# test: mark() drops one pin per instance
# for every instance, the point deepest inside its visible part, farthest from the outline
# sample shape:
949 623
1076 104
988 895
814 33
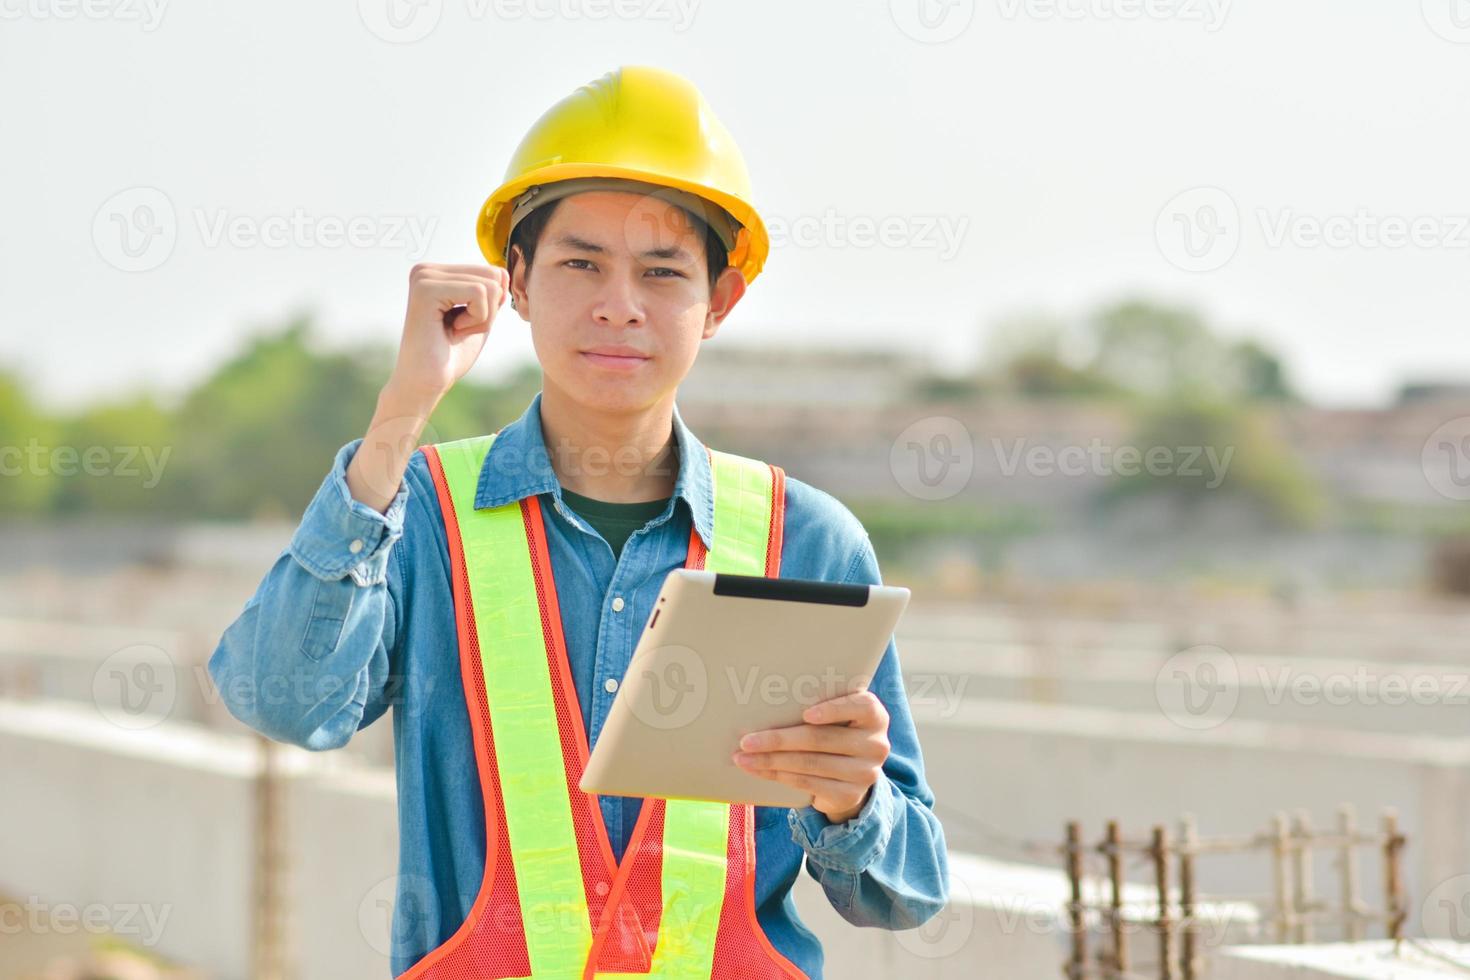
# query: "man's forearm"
376 471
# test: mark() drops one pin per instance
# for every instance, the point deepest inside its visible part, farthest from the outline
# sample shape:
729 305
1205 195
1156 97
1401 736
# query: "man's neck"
621 458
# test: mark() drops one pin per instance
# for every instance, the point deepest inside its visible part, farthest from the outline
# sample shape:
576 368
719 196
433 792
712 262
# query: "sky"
178 177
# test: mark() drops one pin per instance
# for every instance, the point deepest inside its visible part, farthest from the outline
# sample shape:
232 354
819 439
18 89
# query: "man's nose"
619 303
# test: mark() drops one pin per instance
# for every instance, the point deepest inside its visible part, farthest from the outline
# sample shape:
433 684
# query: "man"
624 236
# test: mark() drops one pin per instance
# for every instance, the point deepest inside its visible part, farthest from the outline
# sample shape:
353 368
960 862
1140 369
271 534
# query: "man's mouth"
617 358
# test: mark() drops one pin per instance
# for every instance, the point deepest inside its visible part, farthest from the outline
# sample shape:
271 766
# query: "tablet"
723 655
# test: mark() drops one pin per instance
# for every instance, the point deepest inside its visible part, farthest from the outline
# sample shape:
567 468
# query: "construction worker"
491 590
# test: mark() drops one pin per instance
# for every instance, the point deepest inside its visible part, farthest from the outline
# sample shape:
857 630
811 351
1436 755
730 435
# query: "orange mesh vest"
553 904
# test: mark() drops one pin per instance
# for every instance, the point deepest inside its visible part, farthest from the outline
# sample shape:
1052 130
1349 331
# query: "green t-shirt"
615 522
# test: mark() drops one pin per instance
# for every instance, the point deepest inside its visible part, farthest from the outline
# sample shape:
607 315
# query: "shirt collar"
518 465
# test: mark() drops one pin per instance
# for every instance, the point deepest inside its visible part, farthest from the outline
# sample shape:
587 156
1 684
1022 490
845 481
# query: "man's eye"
587 264
664 268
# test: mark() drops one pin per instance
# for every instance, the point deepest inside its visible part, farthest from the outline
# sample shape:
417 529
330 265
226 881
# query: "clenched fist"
450 310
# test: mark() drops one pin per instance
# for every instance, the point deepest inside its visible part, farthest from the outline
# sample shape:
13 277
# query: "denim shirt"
358 612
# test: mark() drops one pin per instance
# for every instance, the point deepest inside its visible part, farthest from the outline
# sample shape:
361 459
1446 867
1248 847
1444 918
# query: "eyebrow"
582 245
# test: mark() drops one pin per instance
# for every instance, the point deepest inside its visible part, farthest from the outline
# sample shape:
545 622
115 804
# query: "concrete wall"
1007 775
154 827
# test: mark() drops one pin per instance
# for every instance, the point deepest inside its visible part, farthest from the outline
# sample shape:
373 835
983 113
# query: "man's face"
620 272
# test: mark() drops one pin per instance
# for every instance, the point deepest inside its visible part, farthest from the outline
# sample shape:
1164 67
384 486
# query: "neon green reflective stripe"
538 816
742 514
696 831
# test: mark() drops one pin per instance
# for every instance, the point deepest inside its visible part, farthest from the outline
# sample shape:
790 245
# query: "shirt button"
610 685
617 604
355 546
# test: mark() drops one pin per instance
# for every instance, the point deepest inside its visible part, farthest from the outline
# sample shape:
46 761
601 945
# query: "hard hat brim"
752 243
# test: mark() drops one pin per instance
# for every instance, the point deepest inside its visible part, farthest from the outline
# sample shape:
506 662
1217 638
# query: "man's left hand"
837 756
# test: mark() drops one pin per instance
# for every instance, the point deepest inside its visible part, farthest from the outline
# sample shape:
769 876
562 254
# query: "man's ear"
729 287
515 264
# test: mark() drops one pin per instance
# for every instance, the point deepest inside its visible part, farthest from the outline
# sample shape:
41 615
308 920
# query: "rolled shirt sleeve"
887 866
340 535
308 660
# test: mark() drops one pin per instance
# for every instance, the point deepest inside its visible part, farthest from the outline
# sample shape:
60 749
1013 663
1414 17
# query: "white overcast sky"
1050 141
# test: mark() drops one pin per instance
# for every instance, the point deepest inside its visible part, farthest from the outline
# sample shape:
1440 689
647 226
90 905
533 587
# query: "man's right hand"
431 355
440 343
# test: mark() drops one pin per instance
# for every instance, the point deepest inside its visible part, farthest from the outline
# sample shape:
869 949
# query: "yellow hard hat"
639 124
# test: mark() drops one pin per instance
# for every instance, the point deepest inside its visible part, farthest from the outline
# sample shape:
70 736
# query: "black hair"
528 233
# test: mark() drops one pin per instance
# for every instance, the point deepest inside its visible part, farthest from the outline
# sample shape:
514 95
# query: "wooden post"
1119 960
1077 967
268 956
1189 954
1160 853
1281 848
1305 891
1393 845
1352 905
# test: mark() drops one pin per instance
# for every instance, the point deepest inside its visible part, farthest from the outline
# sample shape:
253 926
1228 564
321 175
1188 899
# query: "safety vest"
553 904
